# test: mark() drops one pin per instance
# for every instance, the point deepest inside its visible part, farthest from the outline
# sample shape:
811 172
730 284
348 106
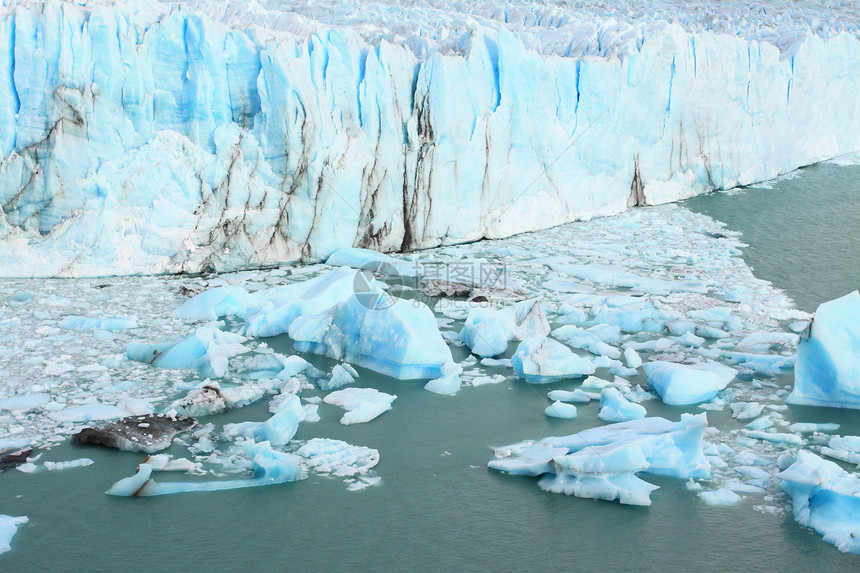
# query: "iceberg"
206 350
559 409
602 463
827 371
269 467
488 331
8 528
361 404
338 458
826 498
278 429
152 137
401 340
616 408
682 384
214 304
544 361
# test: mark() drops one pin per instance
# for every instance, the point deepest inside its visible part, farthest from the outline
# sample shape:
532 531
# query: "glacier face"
141 137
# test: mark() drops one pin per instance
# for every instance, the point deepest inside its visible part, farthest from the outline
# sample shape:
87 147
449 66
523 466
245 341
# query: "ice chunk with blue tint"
207 350
341 375
8 527
826 498
488 331
827 372
108 323
449 383
24 402
682 384
569 395
361 404
544 360
214 304
845 448
559 409
616 408
269 467
271 366
602 463
720 496
401 340
277 430
273 310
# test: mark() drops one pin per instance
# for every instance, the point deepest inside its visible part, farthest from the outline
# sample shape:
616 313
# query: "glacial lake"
438 507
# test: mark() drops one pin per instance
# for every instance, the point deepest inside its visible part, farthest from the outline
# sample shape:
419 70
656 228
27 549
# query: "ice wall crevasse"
140 139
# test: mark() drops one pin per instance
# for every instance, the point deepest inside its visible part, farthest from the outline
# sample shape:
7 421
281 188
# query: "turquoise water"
803 232
439 507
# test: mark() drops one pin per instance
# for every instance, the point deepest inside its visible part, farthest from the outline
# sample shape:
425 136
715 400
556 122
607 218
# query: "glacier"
143 137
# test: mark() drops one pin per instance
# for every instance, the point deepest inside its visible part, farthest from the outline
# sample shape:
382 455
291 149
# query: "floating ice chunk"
544 360
681 384
214 304
559 409
746 410
78 463
810 427
212 399
595 337
449 383
826 498
569 396
401 340
24 402
845 448
615 408
720 496
602 462
361 404
8 527
760 423
271 366
368 260
270 467
482 380
110 323
272 311
166 463
277 430
364 482
207 350
827 372
632 358
487 331
149 433
341 375
764 341
338 458
776 437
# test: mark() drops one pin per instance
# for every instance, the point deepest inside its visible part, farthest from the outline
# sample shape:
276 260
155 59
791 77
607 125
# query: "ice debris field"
669 315
148 137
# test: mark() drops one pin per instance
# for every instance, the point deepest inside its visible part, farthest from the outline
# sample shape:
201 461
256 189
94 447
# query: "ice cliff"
146 137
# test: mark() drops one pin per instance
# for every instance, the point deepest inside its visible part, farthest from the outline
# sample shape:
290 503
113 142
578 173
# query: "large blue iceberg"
827 371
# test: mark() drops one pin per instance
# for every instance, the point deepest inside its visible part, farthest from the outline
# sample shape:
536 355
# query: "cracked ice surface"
139 138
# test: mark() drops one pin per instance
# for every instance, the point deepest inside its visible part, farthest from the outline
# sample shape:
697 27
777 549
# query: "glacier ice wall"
139 137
